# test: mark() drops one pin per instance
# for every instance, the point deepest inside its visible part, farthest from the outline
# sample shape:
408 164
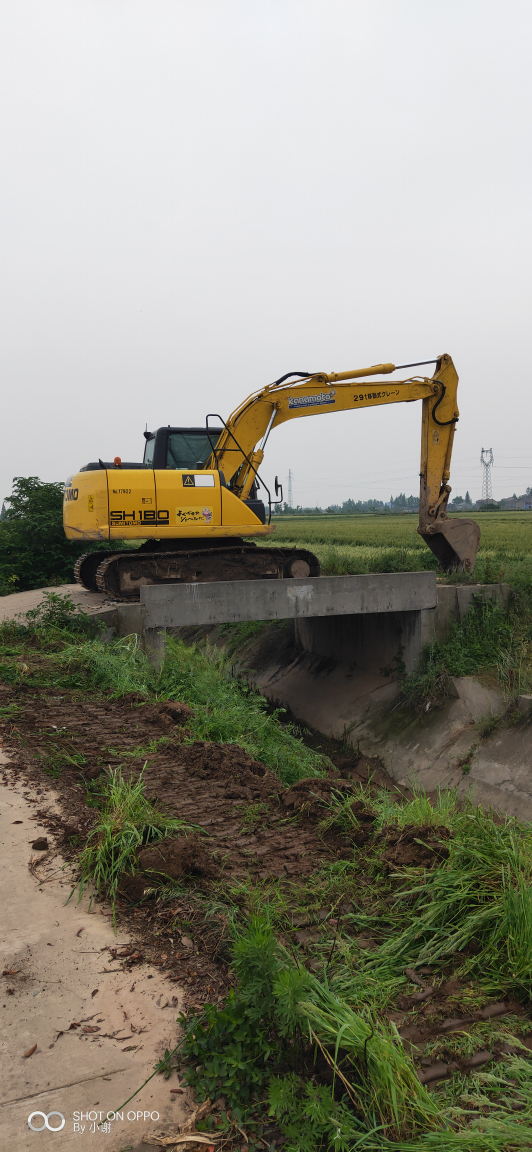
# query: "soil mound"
165 714
178 856
312 798
132 887
309 796
237 801
247 779
421 845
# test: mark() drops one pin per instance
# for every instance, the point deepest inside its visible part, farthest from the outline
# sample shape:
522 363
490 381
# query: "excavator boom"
239 451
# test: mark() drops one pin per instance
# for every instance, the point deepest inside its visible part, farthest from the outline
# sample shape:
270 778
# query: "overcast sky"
199 195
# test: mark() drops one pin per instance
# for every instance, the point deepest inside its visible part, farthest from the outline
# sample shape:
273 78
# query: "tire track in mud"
210 785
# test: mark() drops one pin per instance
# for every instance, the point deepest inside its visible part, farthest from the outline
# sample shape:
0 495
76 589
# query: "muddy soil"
248 827
244 817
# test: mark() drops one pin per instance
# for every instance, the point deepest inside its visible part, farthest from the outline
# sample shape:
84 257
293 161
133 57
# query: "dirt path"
58 972
20 602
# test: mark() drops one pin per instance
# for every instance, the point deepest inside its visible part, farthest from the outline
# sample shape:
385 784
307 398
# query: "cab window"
189 449
148 452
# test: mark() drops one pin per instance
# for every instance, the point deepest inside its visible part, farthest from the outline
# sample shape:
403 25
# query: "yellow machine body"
133 504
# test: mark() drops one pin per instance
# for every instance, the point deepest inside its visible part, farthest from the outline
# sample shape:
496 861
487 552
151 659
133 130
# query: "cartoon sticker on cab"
193 515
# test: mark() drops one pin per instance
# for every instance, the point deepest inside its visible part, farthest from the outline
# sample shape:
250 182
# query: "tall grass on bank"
476 907
390 1089
229 712
278 1015
226 710
281 1030
489 639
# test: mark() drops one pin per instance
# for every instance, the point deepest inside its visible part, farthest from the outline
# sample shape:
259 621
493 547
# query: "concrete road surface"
20 602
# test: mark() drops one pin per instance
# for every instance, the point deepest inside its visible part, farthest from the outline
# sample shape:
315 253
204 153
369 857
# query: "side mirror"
278 488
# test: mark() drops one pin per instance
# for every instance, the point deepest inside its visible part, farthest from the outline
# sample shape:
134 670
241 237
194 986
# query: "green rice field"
353 544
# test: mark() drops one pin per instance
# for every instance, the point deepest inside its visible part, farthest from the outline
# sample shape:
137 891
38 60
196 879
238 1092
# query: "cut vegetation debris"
358 960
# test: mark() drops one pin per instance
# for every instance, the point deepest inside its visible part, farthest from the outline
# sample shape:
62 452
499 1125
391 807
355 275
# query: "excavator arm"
239 451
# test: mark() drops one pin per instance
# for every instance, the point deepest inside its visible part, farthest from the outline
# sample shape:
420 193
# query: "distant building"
515 503
461 506
495 504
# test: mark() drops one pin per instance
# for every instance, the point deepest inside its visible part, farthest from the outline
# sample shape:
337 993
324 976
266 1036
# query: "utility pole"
486 460
290 498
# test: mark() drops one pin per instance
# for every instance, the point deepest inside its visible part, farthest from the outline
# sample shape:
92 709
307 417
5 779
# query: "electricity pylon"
486 460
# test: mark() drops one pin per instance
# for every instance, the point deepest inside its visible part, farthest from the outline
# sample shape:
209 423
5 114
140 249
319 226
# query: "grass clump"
127 821
317 1057
116 668
58 613
274 1034
56 619
476 906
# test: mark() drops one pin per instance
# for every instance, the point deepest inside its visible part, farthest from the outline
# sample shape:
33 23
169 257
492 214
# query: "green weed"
476 905
56 758
280 1030
118 668
269 1033
127 822
488 639
9 711
254 813
235 636
59 613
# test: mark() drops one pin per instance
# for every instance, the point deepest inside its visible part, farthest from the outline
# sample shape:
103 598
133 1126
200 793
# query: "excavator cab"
180 447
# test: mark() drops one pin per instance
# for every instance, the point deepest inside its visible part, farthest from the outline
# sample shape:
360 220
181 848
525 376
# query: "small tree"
468 499
34 550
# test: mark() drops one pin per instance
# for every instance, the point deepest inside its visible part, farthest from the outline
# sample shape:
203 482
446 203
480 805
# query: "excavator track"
86 567
120 576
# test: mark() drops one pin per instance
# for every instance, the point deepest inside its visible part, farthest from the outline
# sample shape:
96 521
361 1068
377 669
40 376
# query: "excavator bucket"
455 544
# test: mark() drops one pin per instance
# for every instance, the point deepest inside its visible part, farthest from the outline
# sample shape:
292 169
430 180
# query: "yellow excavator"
193 502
